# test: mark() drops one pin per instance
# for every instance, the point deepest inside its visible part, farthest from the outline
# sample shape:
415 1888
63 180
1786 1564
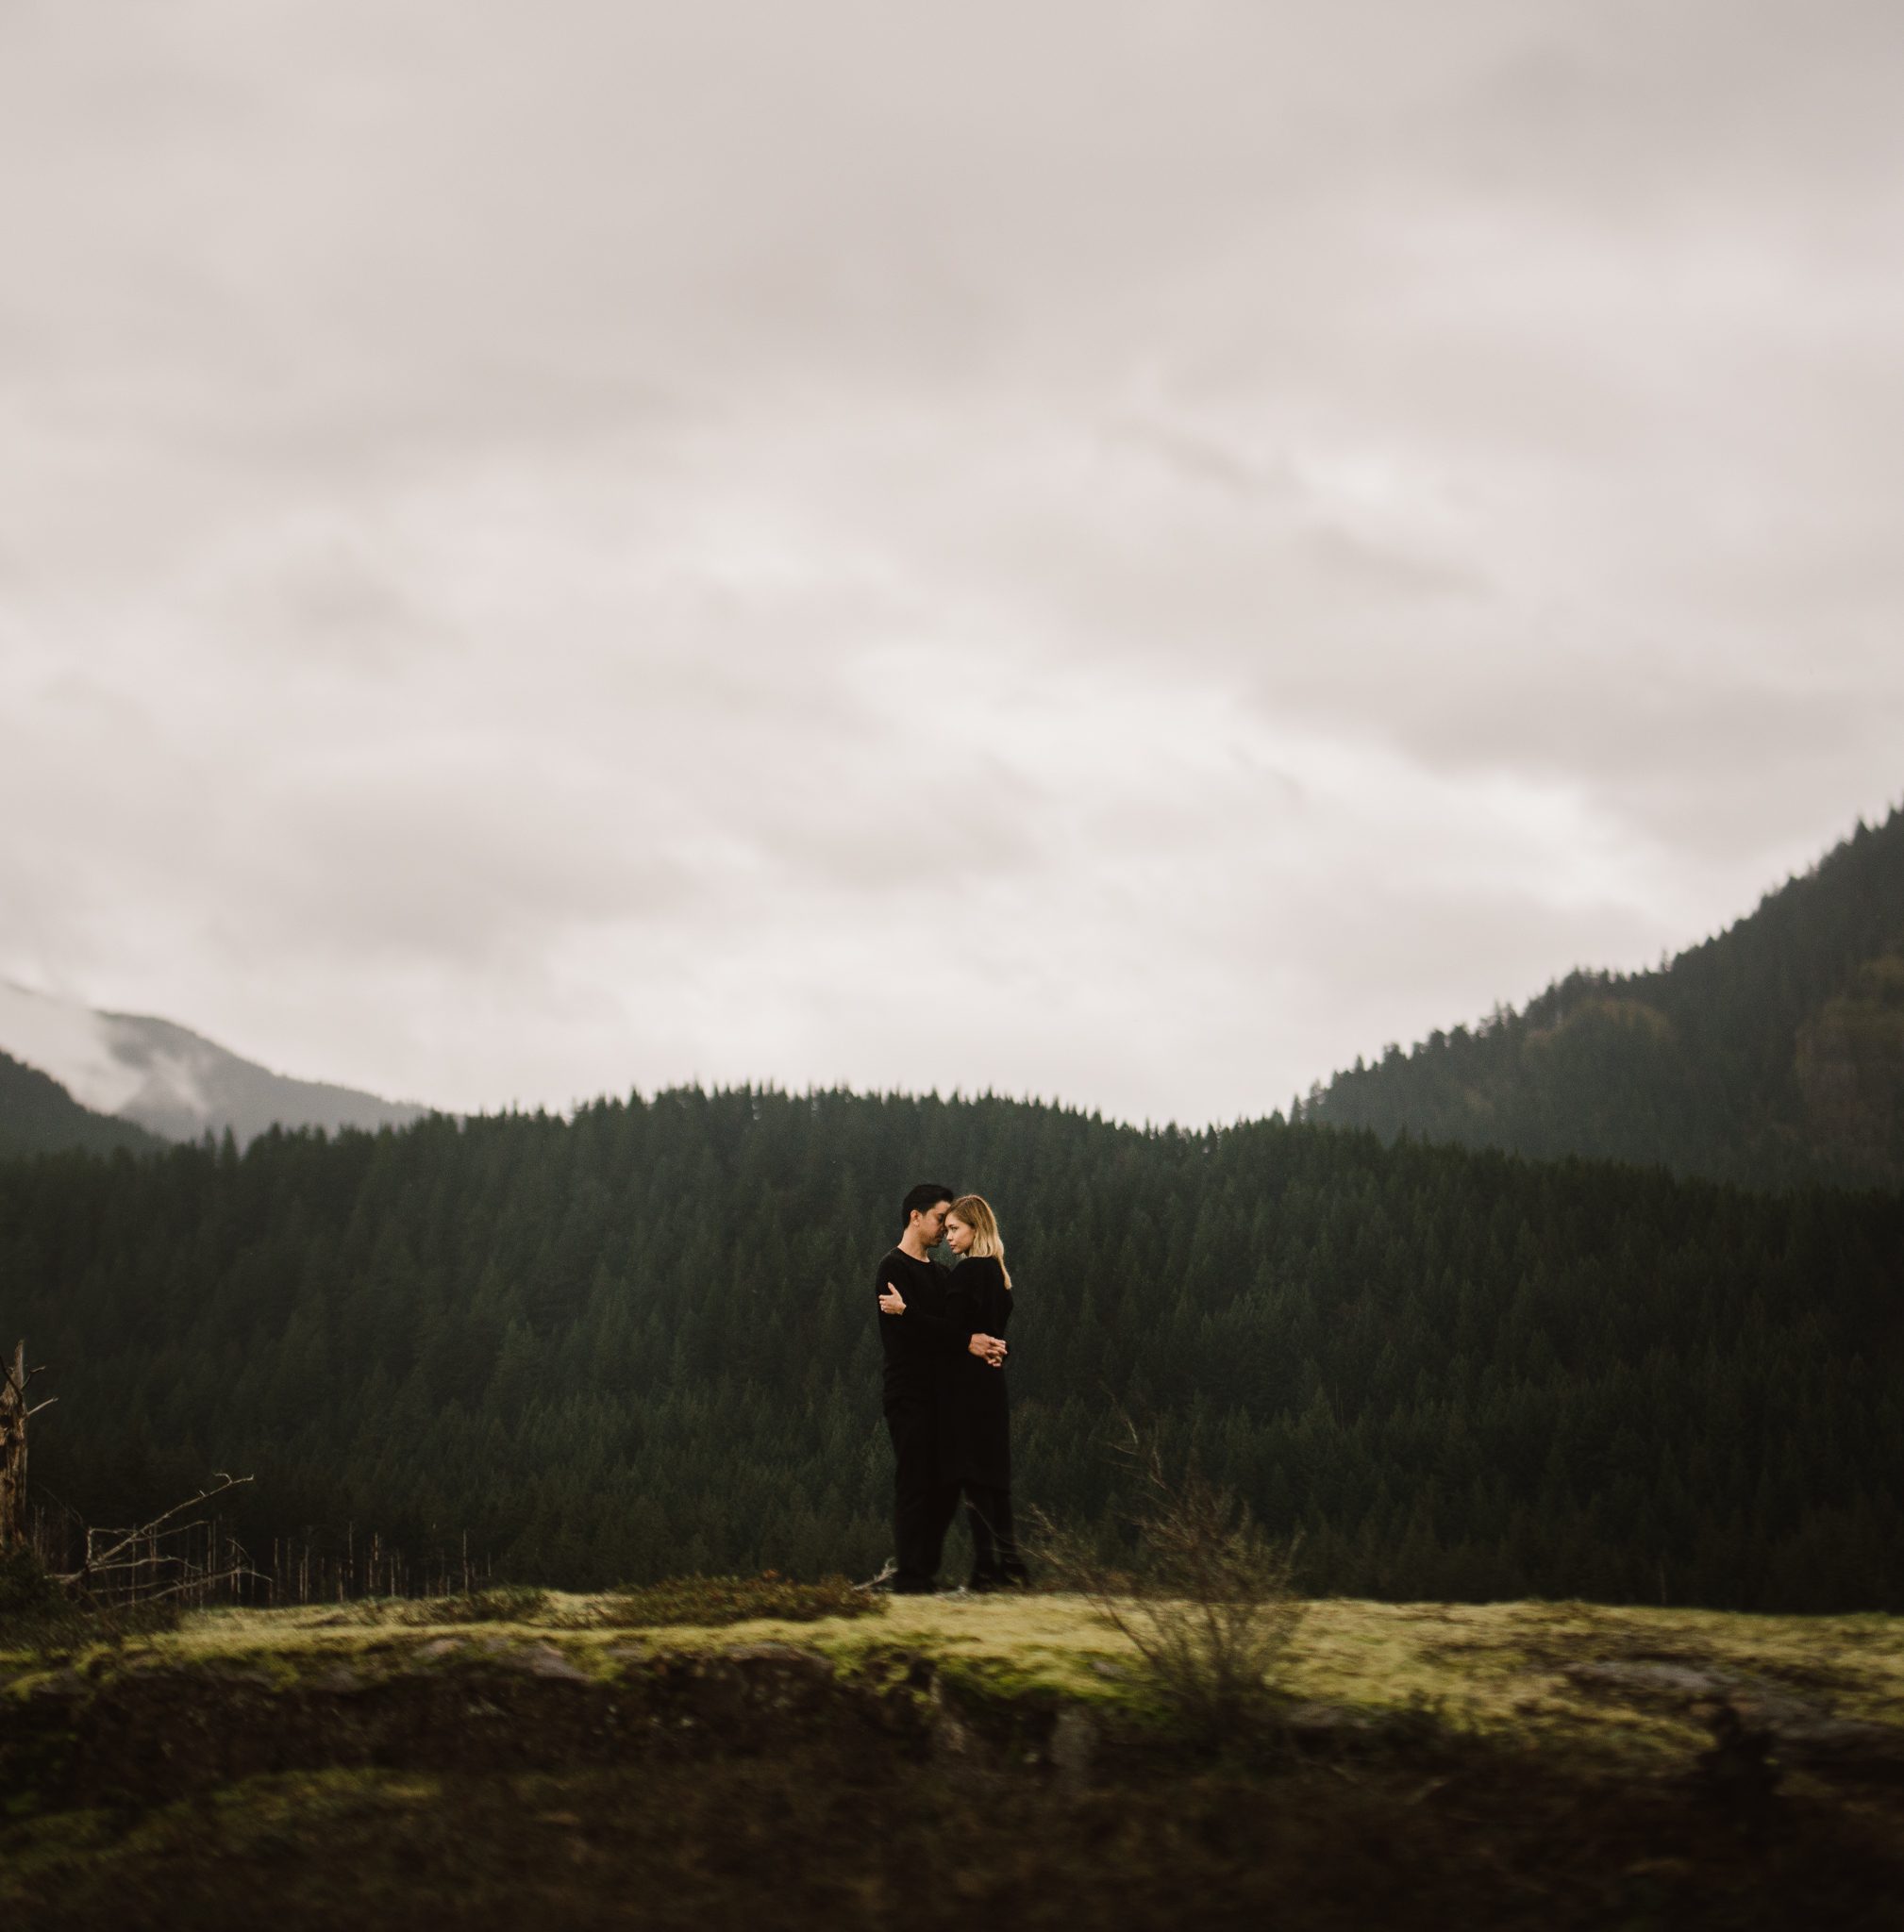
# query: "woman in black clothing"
974 1438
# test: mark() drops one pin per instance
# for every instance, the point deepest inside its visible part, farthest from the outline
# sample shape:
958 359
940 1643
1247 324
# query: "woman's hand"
988 1348
892 1302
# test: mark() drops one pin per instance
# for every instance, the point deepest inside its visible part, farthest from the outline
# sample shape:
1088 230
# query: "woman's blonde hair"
975 1212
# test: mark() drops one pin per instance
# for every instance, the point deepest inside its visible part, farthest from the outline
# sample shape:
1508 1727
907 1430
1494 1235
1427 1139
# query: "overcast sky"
1127 553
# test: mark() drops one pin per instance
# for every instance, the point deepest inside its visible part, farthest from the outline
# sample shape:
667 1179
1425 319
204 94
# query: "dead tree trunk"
13 1451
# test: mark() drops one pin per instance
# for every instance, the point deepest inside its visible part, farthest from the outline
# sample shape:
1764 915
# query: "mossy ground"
1528 1800
1488 1667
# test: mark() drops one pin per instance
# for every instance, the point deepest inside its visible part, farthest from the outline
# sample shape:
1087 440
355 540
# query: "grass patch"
712 1601
513 1603
683 1603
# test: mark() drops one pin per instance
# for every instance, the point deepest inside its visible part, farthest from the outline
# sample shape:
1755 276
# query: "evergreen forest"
1772 1055
641 1341
37 1112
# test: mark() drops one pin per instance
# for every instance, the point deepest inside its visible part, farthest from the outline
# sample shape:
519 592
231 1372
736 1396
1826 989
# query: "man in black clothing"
917 1345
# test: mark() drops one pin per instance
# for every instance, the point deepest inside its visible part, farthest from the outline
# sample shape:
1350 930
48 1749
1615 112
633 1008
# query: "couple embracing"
946 1407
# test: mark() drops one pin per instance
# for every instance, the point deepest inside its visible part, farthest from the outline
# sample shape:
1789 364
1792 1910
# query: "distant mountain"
39 1116
1772 1055
169 1080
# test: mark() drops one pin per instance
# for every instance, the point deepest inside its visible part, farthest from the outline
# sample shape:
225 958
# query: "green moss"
1484 1722
714 1601
1499 1668
60 1842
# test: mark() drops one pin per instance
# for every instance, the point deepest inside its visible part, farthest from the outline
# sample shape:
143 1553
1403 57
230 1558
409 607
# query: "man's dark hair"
923 1198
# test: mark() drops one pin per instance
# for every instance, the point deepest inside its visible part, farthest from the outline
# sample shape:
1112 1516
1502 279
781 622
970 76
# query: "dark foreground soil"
481 1790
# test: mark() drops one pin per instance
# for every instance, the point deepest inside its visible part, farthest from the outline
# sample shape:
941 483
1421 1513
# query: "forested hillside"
37 1115
642 1342
1772 1056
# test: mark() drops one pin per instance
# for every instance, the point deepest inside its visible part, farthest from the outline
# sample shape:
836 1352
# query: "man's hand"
988 1348
892 1302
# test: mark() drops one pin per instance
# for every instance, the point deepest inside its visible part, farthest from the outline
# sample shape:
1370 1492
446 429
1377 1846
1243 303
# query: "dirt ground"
958 1764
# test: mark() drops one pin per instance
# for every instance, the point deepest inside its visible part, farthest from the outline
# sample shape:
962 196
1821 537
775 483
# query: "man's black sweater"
922 1340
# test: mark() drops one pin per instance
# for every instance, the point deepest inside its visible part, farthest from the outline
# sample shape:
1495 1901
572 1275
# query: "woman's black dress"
976 1423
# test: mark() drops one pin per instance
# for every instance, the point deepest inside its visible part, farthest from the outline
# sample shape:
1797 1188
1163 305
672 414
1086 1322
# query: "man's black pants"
923 1500
995 1555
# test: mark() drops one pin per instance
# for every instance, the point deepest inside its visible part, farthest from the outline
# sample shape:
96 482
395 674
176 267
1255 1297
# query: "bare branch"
103 1560
206 1582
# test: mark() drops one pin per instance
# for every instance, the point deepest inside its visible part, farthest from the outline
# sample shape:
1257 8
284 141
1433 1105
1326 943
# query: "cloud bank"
1122 552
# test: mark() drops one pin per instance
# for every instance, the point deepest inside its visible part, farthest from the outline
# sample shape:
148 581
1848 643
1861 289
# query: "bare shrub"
1209 1603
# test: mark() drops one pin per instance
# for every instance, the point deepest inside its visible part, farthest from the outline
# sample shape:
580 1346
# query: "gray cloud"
544 551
